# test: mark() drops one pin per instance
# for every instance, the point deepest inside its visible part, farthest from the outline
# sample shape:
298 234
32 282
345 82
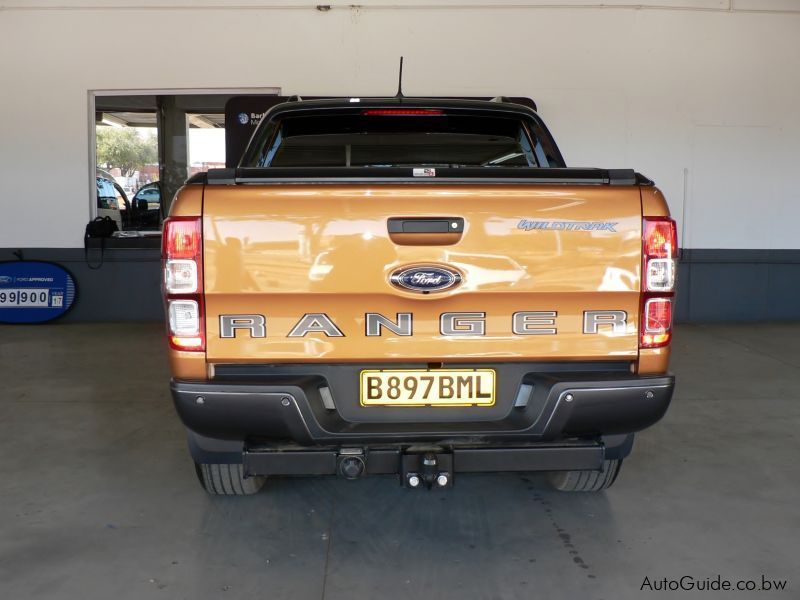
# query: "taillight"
659 267
182 258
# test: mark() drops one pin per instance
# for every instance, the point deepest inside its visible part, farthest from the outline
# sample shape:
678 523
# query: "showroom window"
144 145
127 168
206 141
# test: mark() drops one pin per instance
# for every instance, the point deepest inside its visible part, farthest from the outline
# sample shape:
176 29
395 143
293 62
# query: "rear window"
399 138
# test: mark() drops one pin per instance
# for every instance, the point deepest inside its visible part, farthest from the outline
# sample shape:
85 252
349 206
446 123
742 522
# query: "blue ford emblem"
425 278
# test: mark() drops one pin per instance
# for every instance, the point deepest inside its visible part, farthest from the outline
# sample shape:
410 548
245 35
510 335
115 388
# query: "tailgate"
547 252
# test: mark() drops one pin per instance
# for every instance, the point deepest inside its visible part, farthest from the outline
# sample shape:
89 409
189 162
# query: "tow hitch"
428 469
427 466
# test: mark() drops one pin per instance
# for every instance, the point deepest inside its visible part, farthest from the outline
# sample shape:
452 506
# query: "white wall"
696 88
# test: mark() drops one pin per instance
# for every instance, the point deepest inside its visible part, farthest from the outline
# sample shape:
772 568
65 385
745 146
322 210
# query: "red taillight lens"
181 237
656 322
182 254
660 237
402 112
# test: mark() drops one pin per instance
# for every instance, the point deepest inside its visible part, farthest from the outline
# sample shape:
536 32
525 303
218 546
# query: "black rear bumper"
288 405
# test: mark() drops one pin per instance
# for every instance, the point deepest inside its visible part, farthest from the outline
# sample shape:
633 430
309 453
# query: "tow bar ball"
432 469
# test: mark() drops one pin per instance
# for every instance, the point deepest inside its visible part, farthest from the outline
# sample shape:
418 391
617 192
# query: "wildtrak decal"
533 225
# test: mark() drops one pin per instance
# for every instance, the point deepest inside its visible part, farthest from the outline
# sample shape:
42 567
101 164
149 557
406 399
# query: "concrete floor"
98 498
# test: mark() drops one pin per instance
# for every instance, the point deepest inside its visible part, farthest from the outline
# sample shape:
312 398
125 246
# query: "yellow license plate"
407 387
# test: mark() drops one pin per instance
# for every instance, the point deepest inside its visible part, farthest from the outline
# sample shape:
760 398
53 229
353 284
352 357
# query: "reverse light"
402 112
183 282
180 276
660 275
184 318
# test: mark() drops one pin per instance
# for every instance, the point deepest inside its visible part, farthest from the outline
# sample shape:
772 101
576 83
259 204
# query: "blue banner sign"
34 292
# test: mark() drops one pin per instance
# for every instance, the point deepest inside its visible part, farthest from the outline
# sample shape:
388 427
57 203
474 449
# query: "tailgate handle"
426 225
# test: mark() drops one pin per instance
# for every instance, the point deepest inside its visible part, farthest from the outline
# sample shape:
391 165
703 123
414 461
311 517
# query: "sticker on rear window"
426 172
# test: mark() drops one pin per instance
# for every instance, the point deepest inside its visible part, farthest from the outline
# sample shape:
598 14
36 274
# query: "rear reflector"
402 112
656 322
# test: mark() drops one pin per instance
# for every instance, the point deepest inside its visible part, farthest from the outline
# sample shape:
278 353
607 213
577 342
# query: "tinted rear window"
361 139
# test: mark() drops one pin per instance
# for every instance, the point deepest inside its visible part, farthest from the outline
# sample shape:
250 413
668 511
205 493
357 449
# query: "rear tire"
227 479
586 481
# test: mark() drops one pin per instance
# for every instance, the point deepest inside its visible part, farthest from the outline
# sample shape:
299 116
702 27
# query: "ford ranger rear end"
416 287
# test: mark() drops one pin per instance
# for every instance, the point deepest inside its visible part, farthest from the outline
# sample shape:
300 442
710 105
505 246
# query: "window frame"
270 128
93 94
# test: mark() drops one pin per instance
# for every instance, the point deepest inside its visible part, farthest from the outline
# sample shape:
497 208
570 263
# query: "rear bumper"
284 405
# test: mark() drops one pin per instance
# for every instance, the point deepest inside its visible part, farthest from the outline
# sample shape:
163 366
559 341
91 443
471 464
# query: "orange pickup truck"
416 287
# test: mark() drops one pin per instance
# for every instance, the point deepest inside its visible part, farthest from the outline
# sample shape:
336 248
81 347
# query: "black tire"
227 480
586 481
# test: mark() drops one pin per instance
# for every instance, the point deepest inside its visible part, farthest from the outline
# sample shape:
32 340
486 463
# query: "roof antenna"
400 82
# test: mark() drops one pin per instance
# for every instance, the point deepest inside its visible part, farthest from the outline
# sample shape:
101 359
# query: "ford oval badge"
425 278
